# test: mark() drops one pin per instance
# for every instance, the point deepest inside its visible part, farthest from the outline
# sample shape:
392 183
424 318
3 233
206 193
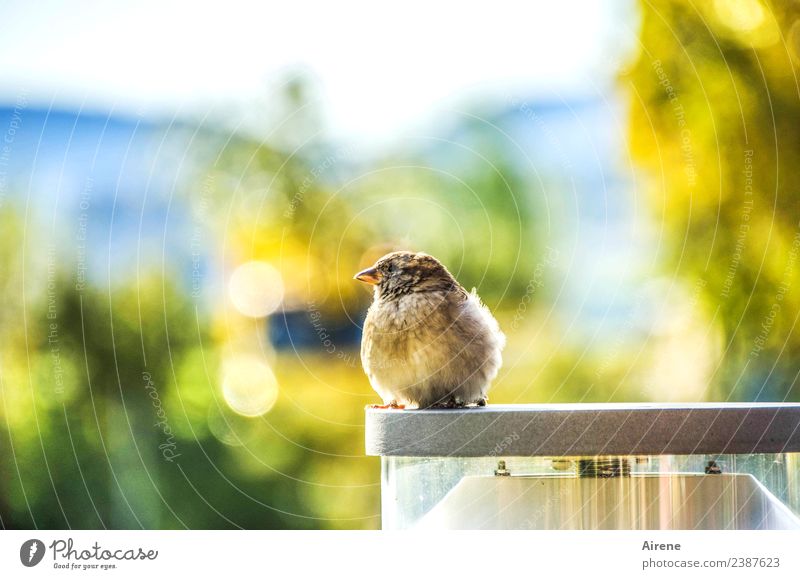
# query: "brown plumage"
427 342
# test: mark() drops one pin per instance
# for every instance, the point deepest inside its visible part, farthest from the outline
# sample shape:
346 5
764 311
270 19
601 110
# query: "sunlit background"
186 193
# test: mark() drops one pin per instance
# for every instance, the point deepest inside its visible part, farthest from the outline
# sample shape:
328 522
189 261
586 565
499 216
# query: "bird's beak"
370 275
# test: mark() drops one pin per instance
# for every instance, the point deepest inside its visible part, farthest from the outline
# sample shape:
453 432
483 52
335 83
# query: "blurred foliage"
85 446
714 114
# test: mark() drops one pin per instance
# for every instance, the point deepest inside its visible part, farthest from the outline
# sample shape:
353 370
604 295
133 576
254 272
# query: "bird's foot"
392 405
448 403
456 403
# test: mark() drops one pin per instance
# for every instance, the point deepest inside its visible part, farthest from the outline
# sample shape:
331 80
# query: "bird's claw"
391 405
455 403
447 403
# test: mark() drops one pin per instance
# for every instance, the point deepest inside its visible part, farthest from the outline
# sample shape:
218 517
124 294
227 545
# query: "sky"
378 68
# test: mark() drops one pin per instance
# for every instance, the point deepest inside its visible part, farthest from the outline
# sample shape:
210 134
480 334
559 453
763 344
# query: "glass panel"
698 491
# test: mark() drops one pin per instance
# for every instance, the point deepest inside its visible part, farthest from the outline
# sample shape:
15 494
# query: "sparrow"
427 342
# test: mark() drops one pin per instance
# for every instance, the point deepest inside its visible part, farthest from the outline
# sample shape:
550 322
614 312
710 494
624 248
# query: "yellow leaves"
747 21
16 394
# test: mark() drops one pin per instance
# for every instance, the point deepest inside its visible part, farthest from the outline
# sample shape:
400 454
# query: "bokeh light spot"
742 15
256 289
249 386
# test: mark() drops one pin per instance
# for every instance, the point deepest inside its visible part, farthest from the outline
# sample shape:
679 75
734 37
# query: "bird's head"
404 272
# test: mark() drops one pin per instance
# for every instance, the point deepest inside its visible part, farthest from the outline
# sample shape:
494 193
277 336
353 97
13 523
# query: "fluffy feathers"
427 342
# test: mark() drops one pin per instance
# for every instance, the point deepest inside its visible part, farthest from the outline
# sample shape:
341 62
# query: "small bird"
427 342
